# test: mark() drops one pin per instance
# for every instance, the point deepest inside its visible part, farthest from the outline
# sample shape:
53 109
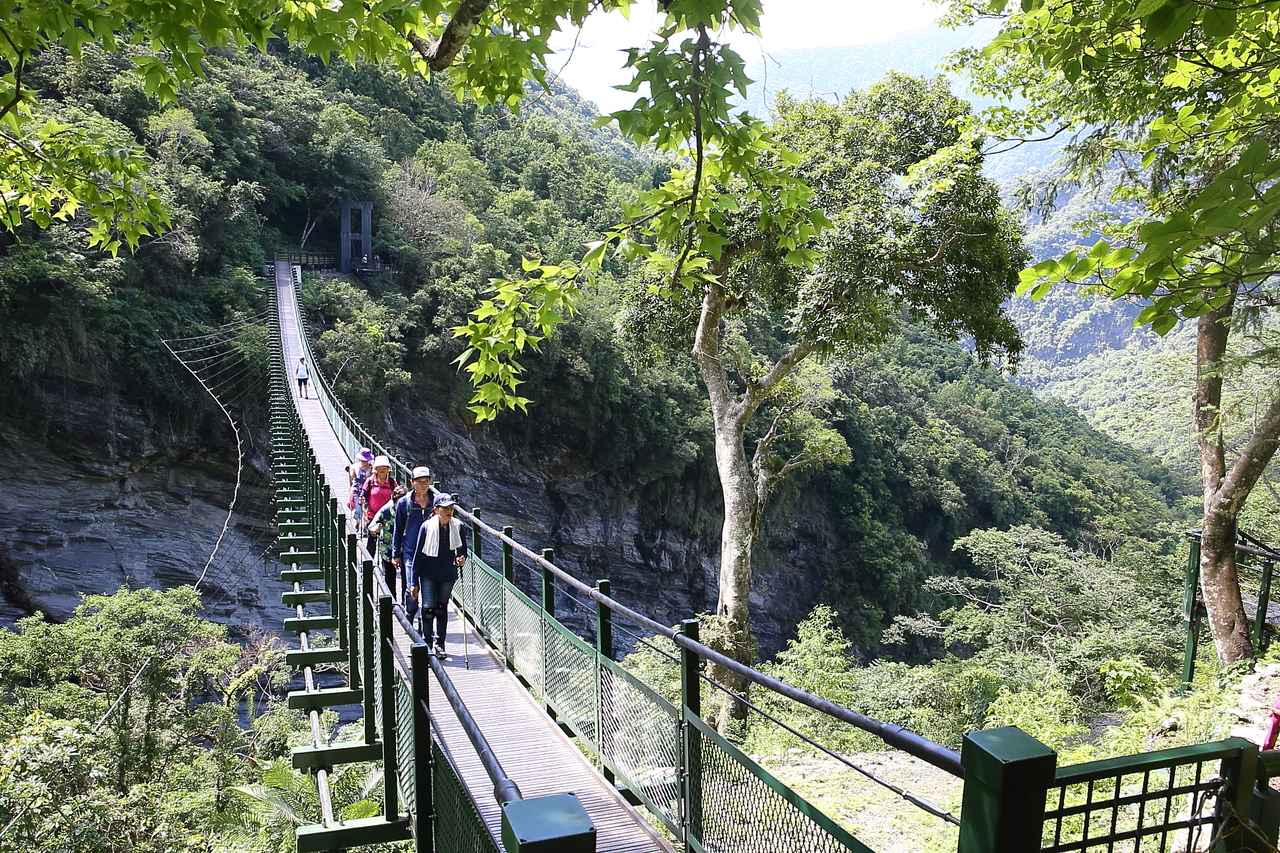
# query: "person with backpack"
357 473
440 550
382 531
411 511
376 491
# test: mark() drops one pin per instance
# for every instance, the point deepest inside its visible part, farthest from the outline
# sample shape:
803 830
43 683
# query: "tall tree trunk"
744 491
1225 489
741 509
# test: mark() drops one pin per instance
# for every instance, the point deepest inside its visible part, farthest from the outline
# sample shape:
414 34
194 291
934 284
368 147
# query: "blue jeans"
434 596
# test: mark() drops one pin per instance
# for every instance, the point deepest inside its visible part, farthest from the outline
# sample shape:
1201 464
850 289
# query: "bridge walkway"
529 745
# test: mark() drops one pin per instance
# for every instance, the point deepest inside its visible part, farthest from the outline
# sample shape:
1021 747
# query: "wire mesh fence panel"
524 638
741 808
405 757
1148 809
379 650
458 826
571 680
484 602
640 741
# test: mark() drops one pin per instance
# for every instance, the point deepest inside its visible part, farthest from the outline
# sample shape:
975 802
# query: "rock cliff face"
595 527
104 502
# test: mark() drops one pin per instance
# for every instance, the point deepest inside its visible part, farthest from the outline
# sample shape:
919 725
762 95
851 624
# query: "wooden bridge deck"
529 745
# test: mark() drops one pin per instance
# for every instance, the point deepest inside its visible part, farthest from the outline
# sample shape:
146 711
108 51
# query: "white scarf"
431 536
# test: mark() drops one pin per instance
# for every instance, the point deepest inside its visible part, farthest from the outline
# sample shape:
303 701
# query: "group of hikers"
412 534
394 519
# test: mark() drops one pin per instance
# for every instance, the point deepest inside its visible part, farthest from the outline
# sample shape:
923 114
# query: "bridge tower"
357 234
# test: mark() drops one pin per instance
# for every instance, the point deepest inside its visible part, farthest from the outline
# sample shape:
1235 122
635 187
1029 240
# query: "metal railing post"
508 557
691 707
604 622
386 667
342 551
351 570
422 810
1007 773
369 646
509 575
1190 613
604 649
1260 638
1234 826
545 630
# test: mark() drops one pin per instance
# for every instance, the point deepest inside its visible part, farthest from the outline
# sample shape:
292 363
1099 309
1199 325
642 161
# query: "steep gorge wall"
595 525
104 501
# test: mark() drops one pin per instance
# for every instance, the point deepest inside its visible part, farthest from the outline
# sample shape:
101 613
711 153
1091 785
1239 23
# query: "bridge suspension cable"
230 364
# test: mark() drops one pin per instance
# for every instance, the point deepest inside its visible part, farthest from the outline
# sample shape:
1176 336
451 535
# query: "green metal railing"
701 787
326 260
1255 566
424 798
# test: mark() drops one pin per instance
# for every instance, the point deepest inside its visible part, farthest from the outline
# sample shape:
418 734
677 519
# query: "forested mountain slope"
258 155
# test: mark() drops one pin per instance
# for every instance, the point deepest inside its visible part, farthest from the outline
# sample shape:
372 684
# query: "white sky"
596 65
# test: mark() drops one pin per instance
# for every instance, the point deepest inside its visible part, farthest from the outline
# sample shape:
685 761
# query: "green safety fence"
701 787
391 686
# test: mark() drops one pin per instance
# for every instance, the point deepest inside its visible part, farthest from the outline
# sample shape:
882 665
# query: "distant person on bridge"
382 529
376 491
302 378
441 549
411 510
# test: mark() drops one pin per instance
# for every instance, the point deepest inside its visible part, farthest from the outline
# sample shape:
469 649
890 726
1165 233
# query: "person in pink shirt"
377 490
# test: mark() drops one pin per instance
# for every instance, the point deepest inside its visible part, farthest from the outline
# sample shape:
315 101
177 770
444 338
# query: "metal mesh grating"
458 826
571 680
744 810
1153 810
484 602
404 741
524 640
640 740
379 650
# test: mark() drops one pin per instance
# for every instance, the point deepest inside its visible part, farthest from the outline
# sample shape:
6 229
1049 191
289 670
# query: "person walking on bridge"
375 492
382 531
411 510
301 373
441 550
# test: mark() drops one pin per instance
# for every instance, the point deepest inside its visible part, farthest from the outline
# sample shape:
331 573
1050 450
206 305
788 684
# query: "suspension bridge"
532 738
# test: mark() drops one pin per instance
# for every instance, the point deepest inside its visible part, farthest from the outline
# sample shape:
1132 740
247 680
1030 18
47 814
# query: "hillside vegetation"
984 557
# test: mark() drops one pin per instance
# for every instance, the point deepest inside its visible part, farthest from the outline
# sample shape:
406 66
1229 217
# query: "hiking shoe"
440 652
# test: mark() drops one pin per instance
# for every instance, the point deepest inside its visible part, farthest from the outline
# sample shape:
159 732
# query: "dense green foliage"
120 731
940 446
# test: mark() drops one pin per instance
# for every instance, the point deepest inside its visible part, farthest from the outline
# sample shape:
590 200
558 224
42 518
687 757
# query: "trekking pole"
462 609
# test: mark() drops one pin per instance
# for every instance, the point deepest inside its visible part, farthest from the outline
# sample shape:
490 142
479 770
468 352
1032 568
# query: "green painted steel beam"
301 575
311 623
298 658
303 700
306 596
304 557
300 544
353 833
307 757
